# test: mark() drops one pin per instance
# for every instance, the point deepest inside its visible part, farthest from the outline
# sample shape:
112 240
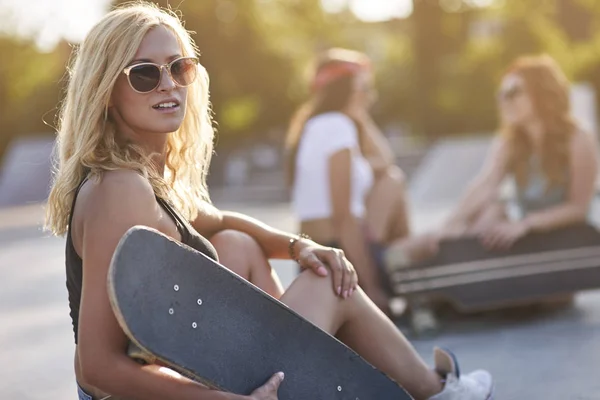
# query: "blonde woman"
135 140
346 191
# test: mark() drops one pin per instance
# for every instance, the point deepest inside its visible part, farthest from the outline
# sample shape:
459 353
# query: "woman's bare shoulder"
115 194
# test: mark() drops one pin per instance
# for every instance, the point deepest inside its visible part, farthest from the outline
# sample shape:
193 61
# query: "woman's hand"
453 229
503 235
268 391
320 258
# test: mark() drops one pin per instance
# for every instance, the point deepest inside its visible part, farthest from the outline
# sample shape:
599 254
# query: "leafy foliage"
437 70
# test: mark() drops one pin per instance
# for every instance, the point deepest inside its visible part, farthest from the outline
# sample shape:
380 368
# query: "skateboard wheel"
339 388
424 321
171 311
194 325
176 288
199 302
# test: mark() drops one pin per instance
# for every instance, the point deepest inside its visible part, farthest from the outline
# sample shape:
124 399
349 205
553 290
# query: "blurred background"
438 64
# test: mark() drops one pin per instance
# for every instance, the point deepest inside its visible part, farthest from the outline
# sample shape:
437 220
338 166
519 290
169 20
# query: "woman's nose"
166 82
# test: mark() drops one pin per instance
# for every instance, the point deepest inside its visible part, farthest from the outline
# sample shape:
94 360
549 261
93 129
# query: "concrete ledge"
28 216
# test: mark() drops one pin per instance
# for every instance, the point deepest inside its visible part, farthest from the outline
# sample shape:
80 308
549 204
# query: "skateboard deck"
209 324
539 266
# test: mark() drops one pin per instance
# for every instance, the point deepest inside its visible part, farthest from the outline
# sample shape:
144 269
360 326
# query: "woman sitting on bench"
551 160
347 192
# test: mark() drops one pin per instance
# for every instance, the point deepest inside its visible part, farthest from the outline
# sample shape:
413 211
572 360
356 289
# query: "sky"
48 21
372 10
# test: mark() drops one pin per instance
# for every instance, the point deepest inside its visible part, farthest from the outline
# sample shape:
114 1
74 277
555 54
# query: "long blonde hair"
548 88
86 141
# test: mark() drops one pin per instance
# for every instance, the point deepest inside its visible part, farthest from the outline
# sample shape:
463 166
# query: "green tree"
254 51
29 88
461 52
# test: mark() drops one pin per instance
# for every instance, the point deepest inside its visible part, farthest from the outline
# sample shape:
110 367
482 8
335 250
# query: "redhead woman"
551 160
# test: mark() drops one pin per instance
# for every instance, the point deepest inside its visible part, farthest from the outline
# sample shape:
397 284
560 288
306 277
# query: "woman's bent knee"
396 174
392 178
230 238
238 251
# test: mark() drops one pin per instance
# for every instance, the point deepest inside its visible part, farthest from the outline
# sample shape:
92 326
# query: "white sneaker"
474 386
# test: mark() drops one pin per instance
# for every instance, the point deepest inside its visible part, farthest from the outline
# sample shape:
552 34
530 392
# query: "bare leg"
422 247
404 252
356 321
361 325
240 253
387 207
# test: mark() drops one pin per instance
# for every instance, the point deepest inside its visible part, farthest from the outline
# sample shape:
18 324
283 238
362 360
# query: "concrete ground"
533 355
538 355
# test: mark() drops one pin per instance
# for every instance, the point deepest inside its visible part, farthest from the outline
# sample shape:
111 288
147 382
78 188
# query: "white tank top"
323 136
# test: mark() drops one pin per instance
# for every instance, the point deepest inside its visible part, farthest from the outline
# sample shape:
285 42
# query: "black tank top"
189 236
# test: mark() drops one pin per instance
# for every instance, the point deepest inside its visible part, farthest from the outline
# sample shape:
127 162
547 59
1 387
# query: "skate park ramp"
26 171
447 169
445 173
442 177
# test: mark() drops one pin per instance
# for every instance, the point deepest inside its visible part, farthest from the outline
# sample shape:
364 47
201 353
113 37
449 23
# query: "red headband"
334 71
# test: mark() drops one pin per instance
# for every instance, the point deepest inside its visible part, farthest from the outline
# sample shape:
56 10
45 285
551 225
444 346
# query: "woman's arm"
349 229
583 174
375 146
483 190
121 200
274 242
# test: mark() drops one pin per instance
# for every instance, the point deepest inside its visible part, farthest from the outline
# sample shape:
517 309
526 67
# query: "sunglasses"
510 94
145 77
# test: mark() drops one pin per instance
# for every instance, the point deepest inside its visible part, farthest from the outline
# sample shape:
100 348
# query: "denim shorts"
377 253
82 394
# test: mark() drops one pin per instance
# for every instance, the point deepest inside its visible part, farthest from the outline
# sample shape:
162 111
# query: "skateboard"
184 310
537 267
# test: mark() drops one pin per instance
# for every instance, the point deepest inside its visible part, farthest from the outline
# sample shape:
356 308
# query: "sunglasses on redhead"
511 93
145 77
